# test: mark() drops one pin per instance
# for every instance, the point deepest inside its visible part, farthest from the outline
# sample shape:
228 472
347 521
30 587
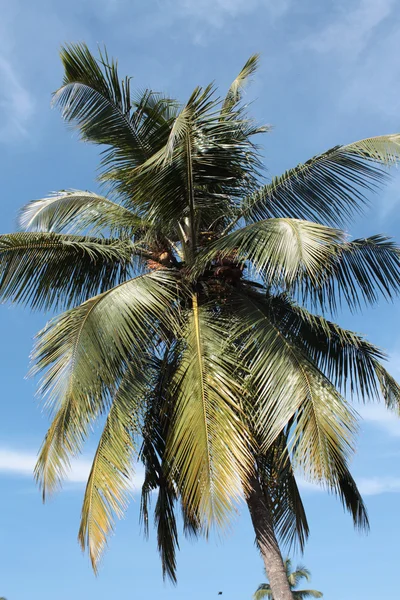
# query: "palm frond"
347 359
102 336
158 476
110 480
93 96
76 211
282 251
209 445
234 94
49 270
328 188
263 591
282 494
303 594
296 576
358 272
288 388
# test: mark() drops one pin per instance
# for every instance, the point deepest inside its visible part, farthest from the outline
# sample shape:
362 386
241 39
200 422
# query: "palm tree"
294 578
188 328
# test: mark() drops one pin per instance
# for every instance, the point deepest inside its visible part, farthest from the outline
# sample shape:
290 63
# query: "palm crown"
187 296
294 578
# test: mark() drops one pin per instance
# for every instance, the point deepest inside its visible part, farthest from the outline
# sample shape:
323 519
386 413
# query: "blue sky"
330 74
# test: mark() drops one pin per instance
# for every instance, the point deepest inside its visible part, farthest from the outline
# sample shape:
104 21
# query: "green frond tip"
77 211
235 91
294 578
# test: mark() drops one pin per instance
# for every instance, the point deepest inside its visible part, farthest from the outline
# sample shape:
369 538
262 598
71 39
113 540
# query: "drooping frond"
209 445
47 270
234 94
110 480
279 372
358 272
158 479
102 336
282 494
328 188
348 360
282 251
287 387
77 211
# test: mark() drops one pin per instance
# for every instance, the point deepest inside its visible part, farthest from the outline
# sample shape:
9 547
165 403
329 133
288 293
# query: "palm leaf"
93 96
347 359
296 576
77 211
287 387
102 336
110 480
157 469
234 94
360 271
209 445
263 591
48 270
303 594
282 251
329 187
282 494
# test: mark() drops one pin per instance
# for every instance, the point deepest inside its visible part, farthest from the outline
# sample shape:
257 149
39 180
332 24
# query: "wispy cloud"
16 104
373 486
381 417
351 27
22 463
216 12
368 486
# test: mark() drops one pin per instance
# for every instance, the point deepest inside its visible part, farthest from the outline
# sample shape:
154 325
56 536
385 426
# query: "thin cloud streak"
382 418
375 486
216 12
350 32
16 104
22 463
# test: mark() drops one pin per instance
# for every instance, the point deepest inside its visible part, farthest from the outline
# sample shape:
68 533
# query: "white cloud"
373 486
368 486
350 31
16 104
308 486
381 417
22 463
215 12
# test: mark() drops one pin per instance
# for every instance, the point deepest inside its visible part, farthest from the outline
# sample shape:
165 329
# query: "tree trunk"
267 542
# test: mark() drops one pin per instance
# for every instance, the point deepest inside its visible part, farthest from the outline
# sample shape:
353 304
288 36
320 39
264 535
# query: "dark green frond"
347 359
358 272
282 494
158 476
49 270
329 187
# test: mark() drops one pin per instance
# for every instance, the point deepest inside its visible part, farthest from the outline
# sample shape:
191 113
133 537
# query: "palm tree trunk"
267 542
